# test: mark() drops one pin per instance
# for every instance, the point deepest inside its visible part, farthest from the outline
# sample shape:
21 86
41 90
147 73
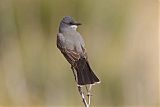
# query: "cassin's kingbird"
71 45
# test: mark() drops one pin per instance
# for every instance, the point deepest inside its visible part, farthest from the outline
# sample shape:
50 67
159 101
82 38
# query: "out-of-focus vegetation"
122 43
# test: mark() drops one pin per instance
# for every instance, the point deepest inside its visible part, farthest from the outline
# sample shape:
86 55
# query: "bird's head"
69 21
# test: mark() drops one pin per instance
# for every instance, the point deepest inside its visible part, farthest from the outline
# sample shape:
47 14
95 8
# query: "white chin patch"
74 27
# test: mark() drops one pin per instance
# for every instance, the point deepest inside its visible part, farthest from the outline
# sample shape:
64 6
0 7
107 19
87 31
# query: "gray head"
68 23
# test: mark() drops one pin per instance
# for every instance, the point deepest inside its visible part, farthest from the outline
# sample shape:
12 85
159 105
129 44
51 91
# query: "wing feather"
71 55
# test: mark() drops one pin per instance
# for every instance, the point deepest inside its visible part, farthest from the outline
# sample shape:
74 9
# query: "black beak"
75 23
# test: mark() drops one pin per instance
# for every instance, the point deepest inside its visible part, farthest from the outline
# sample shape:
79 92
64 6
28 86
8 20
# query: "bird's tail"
85 75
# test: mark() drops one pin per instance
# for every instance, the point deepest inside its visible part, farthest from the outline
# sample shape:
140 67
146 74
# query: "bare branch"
89 94
82 95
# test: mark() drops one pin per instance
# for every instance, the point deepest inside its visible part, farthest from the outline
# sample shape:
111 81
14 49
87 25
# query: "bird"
72 46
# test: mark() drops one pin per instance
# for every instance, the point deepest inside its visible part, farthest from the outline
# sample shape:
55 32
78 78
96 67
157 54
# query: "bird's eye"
71 23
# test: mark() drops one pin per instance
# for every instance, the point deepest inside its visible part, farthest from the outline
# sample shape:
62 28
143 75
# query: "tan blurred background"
122 43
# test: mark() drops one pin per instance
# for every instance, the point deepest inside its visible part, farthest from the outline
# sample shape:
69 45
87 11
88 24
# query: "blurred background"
122 43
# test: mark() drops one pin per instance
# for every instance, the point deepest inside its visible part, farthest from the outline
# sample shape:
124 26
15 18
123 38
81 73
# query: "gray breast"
73 40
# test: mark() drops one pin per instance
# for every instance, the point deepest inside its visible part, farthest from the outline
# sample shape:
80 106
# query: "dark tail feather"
85 75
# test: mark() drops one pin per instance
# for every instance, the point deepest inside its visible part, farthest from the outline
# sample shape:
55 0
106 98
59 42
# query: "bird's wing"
60 41
84 52
70 54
